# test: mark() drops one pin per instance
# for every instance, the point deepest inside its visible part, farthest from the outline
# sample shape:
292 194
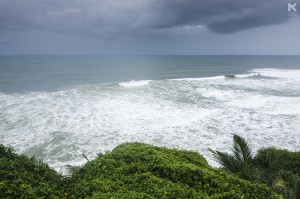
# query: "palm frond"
270 158
241 149
280 183
85 157
242 153
227 161
240 161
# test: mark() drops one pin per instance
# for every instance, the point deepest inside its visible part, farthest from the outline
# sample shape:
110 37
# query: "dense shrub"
292 163
132 170
142 171
22 177
278 159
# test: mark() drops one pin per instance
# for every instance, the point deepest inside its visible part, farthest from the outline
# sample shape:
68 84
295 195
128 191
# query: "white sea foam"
251 74
200 78
59 126
279 73
133 83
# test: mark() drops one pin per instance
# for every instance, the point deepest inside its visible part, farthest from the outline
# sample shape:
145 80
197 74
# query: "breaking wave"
184 113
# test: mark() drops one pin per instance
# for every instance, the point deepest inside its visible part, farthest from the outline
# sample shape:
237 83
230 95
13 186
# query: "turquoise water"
58 107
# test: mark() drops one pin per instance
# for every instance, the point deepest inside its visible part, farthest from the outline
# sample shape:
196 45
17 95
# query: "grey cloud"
102 18
5 41
221 16
105 18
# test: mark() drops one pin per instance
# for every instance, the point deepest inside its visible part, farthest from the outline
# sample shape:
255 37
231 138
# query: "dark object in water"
230 76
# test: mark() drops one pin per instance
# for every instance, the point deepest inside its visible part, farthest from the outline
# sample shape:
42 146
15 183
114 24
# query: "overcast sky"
149 27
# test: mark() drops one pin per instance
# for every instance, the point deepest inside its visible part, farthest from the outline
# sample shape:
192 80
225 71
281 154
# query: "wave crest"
133 83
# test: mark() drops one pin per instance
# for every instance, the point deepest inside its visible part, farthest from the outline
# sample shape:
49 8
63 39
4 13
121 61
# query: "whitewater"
262 105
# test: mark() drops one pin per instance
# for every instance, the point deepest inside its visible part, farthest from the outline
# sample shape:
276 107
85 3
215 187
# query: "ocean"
58 107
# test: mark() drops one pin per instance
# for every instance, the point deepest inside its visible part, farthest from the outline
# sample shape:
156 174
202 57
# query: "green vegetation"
137 170
279 169
22 177
142 171
240 162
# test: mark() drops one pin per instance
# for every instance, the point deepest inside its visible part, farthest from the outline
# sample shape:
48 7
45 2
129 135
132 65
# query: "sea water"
58 107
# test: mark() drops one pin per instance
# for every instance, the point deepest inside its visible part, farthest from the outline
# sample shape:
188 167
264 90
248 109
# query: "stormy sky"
149 27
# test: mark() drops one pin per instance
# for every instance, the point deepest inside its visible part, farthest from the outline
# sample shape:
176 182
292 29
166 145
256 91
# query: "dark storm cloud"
221 16
105 18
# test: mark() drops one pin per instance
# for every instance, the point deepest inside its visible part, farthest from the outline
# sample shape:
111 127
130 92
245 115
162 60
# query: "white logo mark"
292 7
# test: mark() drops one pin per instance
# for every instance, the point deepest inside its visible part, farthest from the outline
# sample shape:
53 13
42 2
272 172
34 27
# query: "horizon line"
149 54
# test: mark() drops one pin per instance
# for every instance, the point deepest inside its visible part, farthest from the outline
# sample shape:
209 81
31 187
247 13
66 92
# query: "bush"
23 177
132 170
143 171
278 159
292 163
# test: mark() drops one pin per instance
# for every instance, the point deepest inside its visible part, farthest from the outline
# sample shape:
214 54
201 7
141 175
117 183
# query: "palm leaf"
240 161
85 157
227 161
270 158
280 183
242 153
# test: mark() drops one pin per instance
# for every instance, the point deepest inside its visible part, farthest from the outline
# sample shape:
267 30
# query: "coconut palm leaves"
269 160
265 167
239 162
